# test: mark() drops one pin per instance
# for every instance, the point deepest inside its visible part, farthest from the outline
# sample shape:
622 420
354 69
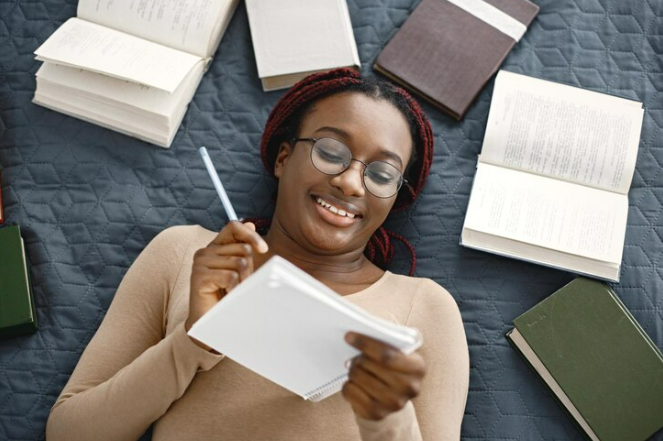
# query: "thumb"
251 225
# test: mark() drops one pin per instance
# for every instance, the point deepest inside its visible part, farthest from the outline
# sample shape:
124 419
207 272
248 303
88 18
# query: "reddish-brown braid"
380 248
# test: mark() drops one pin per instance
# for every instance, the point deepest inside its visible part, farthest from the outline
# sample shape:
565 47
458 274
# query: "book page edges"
521 345
551 258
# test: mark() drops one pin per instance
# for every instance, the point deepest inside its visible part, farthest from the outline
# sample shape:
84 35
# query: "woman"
346 151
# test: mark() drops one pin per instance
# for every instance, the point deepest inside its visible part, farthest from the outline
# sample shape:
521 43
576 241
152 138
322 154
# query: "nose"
350 182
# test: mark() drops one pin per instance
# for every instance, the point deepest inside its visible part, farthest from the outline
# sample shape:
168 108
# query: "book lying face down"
288 327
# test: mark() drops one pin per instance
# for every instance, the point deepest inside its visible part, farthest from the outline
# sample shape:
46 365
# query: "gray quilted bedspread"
89 199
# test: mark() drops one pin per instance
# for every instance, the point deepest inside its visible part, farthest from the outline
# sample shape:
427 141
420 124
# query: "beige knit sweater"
142 368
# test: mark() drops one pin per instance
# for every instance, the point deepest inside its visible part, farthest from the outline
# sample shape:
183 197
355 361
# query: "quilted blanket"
89 199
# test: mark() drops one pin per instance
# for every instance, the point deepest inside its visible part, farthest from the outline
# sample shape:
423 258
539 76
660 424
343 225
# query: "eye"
330 156
382 175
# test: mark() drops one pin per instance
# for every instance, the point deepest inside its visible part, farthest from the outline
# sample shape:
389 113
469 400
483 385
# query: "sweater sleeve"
129 374
437 413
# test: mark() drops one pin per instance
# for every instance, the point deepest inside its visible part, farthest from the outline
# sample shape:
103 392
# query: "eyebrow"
346 135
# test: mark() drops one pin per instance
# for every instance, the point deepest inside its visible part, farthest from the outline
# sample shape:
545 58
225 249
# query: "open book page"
548 213
564 132
187 25
79 43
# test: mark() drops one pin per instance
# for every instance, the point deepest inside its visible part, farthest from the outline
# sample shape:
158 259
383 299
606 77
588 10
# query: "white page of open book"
79 43
561 131
547 212
187 25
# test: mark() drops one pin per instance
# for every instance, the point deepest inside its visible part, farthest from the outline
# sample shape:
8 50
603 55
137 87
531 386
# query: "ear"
285 151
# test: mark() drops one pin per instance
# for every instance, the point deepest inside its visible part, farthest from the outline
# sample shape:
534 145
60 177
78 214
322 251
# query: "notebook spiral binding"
326 389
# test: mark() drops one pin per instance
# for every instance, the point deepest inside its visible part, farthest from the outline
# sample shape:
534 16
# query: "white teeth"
335 210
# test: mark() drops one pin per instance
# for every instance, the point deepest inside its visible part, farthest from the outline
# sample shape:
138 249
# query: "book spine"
550 391
642 332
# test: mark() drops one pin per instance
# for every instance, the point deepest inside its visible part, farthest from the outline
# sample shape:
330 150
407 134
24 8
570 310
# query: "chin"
323 238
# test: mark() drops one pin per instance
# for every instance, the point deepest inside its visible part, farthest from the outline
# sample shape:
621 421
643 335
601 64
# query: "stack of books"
132 67
17 307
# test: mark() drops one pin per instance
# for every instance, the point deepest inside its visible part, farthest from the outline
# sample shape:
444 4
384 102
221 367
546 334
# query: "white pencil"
217 184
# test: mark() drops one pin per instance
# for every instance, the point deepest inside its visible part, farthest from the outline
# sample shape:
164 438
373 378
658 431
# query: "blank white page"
279 324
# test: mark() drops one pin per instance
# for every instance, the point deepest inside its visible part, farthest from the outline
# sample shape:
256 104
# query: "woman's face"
373 129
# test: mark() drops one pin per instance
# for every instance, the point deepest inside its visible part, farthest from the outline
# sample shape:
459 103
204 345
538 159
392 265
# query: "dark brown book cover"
447 55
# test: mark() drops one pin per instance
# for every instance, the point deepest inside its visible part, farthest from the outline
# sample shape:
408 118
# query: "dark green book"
596 359
17 307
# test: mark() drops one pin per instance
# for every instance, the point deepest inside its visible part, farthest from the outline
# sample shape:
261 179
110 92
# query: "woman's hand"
221 266
382 379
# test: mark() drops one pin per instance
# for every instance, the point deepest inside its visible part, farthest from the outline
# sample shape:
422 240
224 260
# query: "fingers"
387 355
235 232
404 385
237 256
217 281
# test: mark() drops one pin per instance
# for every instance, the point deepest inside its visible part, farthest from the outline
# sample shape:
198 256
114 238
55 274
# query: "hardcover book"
132 67
295 38
447 50
17 308
596 360
553 176
2 209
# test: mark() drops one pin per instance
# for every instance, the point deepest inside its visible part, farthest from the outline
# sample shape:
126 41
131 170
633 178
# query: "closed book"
2 209
295 38
596 359
17 308
447 50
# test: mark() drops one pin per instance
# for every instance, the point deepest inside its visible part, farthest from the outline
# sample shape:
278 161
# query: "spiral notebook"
288 327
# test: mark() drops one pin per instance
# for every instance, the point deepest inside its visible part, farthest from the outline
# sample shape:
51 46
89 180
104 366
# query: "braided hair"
284 123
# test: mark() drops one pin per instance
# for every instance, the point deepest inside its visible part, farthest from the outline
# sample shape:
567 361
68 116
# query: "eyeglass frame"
293 141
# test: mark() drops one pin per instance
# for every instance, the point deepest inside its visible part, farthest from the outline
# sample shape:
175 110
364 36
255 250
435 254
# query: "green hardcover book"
17 308
596 359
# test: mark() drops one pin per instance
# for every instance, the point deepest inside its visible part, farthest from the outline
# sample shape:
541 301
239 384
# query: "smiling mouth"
334 209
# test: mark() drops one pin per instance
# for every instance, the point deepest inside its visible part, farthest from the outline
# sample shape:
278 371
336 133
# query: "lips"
335 212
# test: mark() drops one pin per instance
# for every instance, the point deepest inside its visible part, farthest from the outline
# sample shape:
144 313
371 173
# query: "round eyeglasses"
332 157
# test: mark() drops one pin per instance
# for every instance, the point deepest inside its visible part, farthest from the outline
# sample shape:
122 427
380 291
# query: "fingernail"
350 338
263 247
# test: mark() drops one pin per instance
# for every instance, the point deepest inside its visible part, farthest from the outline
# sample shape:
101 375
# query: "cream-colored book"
553 176
131 66
295 38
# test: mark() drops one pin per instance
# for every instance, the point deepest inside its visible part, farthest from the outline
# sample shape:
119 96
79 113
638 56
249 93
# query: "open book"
131 66
288 327
553 176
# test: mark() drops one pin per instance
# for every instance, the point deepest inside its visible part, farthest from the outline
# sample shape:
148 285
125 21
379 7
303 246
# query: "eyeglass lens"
333 157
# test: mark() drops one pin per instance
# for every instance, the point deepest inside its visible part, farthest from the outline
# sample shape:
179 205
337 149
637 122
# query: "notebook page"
79 43
563 132
187 25
282 331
